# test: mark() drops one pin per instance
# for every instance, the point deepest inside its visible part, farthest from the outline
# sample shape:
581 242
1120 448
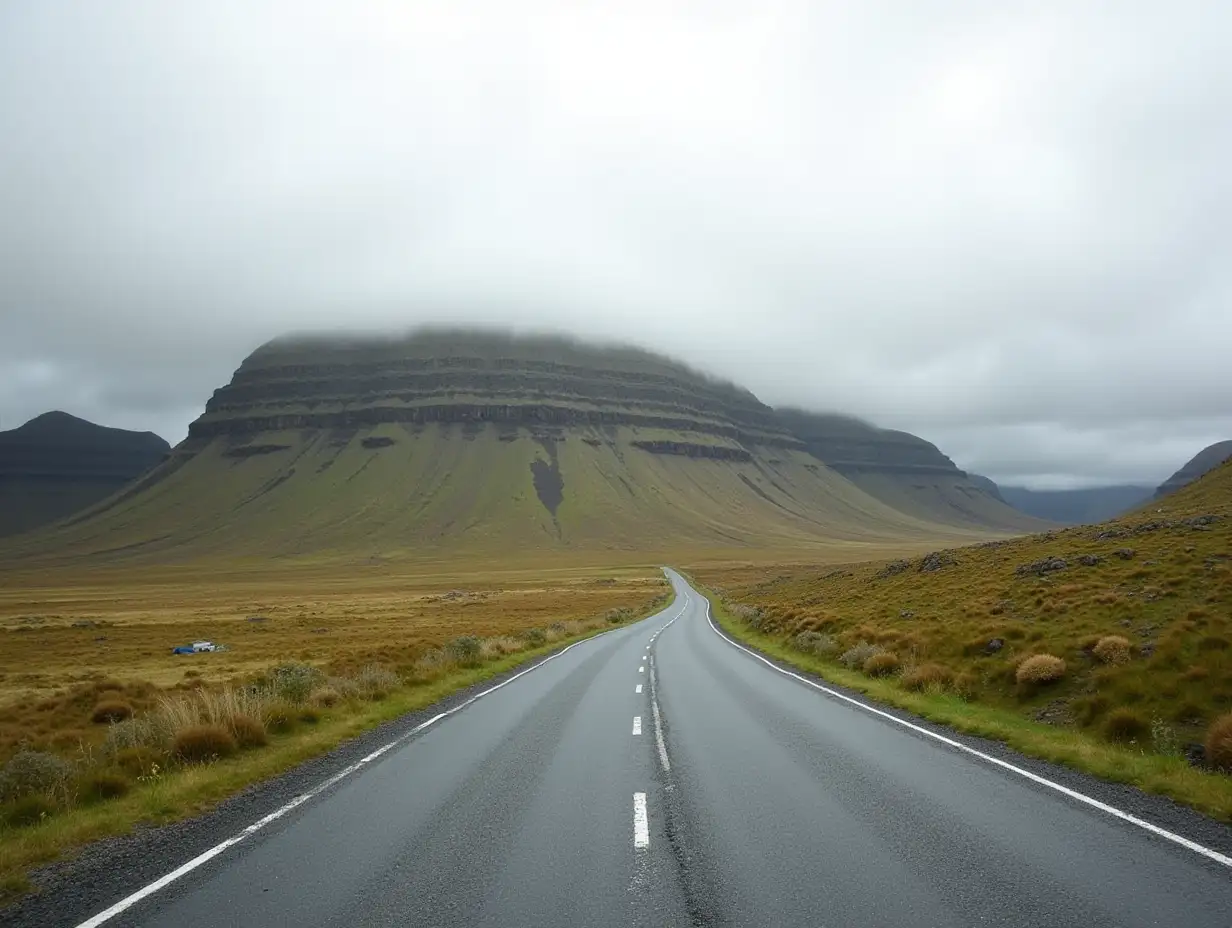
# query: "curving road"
659 775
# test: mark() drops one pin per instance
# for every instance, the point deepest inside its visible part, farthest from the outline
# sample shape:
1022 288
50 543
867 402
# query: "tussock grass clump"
29 810
138 762
202 744
1126 725
535 637
1112 649
326 697
926 676
247 731
858 655
1040 669
104 784
111 710
1219 743
882 665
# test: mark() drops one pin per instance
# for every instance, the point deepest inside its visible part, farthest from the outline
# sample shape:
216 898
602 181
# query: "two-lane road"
659 775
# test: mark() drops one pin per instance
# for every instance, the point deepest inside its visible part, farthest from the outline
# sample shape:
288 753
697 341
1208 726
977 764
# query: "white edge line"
1005 765
131 900
641 826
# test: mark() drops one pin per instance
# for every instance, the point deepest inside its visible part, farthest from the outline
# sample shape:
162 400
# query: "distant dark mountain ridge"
903 470
1205 460
1073 507
57 464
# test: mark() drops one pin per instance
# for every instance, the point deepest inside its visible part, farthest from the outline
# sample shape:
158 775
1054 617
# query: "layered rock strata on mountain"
467 378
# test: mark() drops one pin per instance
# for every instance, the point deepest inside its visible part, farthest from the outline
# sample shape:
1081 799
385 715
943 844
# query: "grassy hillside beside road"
102 727
1108 647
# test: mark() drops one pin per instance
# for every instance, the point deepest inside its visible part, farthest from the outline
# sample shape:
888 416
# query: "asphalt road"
660 776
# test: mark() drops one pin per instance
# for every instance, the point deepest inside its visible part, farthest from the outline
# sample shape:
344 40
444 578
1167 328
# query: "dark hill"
1205 460
902 470
476 442
57 464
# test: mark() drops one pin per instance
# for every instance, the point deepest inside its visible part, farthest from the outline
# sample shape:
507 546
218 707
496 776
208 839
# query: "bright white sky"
1004 227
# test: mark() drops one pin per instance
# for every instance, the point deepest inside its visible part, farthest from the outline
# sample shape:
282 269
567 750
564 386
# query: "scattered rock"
936 561
894 567
995 645
1055 713
258 618
1125 623
1125 554
1147 649
1039 568
85 623
906 614
1195 753
1089 560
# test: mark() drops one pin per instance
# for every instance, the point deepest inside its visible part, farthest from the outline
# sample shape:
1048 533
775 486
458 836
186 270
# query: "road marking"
131 900
641 827
638 688
637 724
995 761
642 669
659 742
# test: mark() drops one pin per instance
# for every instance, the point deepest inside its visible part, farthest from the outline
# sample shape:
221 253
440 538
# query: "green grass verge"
1171 776
189 791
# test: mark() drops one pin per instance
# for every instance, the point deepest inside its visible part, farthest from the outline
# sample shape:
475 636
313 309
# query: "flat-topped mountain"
903 470
57 464
445 440
1205 460
1080 506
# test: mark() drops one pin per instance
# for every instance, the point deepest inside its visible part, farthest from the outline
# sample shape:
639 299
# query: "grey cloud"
1003 228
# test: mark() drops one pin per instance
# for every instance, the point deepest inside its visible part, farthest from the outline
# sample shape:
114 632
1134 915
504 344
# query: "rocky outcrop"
1205 460
693 450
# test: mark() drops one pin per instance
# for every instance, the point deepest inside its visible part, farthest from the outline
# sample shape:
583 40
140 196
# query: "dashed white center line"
641 827
637 724
638 689
642 669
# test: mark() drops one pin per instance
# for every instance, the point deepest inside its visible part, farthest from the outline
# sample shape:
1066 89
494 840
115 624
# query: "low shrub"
1126 725
136 733
111 711
882 665
376 682
815 643
535 637
28 810
295 682
28 772
309 714
247 731
857 656
103 784
466 648
925 676
1219 743
203 743
1040 669
1112 649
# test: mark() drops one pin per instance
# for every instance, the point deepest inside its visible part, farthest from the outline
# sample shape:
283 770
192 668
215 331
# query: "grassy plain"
72 643
1137 614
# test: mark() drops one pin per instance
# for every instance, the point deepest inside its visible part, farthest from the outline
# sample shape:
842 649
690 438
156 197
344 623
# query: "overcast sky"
1006 227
